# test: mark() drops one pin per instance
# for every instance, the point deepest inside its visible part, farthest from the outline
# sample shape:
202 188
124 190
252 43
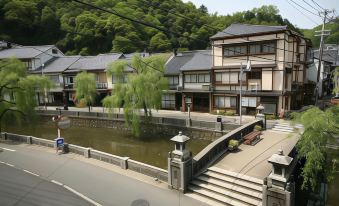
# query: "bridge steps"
283 127
218 186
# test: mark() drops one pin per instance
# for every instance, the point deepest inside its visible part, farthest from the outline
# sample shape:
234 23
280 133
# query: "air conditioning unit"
179 88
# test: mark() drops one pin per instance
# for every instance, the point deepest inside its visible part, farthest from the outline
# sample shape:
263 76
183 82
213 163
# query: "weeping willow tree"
140 90
336 82
18 91
321 128
85 88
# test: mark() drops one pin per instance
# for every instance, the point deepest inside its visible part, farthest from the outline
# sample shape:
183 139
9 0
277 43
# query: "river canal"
151 150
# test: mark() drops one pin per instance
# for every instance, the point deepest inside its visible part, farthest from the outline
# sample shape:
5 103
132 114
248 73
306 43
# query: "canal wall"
158 125
123 162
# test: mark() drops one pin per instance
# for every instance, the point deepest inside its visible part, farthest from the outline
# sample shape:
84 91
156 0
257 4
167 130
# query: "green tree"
143 90
160 42
18 90
85 88
336 81
320 128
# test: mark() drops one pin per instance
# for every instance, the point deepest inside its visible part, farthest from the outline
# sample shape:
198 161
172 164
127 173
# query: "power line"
318 5
156 27
305 9
208 26
311 6
317 24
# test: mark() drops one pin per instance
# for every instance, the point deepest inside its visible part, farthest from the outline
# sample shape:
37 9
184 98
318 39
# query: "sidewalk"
99 181
167 113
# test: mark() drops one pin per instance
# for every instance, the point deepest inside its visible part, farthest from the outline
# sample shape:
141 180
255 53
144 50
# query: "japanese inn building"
211 78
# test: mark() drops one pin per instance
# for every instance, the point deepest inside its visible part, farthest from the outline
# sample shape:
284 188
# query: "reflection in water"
152 150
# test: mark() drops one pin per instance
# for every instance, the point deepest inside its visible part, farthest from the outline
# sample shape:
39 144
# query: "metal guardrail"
123 162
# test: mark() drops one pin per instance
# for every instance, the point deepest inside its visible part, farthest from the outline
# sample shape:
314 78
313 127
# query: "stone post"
260 115
179 164
218 124
124 163
87 152
279 187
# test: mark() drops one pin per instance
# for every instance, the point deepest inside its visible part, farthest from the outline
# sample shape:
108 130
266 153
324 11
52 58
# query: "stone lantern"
179 164
279 188
260 115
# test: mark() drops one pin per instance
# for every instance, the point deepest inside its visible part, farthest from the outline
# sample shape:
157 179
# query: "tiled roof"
24 52
99 62
192 60
60 64
329 56
246 29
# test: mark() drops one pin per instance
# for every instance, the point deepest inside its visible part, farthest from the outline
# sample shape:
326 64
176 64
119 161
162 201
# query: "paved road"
21 188
97 183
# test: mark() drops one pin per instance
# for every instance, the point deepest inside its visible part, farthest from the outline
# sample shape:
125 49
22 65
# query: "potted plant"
257 128
233 144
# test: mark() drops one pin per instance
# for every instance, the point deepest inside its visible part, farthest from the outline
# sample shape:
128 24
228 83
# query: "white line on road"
56 182
9 164
32 173
11 150
82 196
2 162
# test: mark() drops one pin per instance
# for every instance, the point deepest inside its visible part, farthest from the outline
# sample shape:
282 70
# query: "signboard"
62 122
59 141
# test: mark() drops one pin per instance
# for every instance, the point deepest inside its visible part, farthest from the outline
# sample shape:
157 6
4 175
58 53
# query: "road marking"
32 173
2 162
11 150
82 196
9 164
56 182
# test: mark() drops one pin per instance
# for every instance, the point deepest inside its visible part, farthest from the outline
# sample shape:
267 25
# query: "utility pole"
321 49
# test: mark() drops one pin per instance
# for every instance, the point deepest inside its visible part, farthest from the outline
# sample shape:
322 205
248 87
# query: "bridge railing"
218 147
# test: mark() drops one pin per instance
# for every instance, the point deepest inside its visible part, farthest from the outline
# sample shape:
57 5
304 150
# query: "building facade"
279 59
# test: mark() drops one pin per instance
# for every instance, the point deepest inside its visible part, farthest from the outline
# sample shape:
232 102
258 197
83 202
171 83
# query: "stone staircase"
283 127
218 187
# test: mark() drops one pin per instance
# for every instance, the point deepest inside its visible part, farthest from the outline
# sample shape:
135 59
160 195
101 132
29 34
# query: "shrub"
233 143
258 127
81 103
271 117
230 113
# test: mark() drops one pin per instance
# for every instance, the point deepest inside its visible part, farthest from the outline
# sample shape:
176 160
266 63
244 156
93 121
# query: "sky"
303 19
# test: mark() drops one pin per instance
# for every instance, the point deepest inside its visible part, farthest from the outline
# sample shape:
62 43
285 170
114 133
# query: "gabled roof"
24 52
247 29
60 64
329 56
99 62
189 61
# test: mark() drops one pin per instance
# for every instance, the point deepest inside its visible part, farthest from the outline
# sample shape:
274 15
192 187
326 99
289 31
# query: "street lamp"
248 68
188 102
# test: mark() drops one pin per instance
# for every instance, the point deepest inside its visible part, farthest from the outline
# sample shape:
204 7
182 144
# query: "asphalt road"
97 183
21 188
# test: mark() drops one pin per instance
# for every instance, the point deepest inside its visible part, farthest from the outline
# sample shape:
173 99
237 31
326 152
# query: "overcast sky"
286 10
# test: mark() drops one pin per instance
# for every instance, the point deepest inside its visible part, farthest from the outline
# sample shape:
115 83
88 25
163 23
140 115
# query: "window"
224 102
268 47
191 78
235 50
173 80
124 79
227 77
203 78
69 80
168 101
54 78
255 49
249 102
262 48
254 75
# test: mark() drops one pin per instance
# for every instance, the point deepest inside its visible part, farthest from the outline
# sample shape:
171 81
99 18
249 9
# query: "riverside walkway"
100 182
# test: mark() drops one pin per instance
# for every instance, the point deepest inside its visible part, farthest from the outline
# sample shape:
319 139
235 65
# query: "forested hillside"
77 29
332 39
